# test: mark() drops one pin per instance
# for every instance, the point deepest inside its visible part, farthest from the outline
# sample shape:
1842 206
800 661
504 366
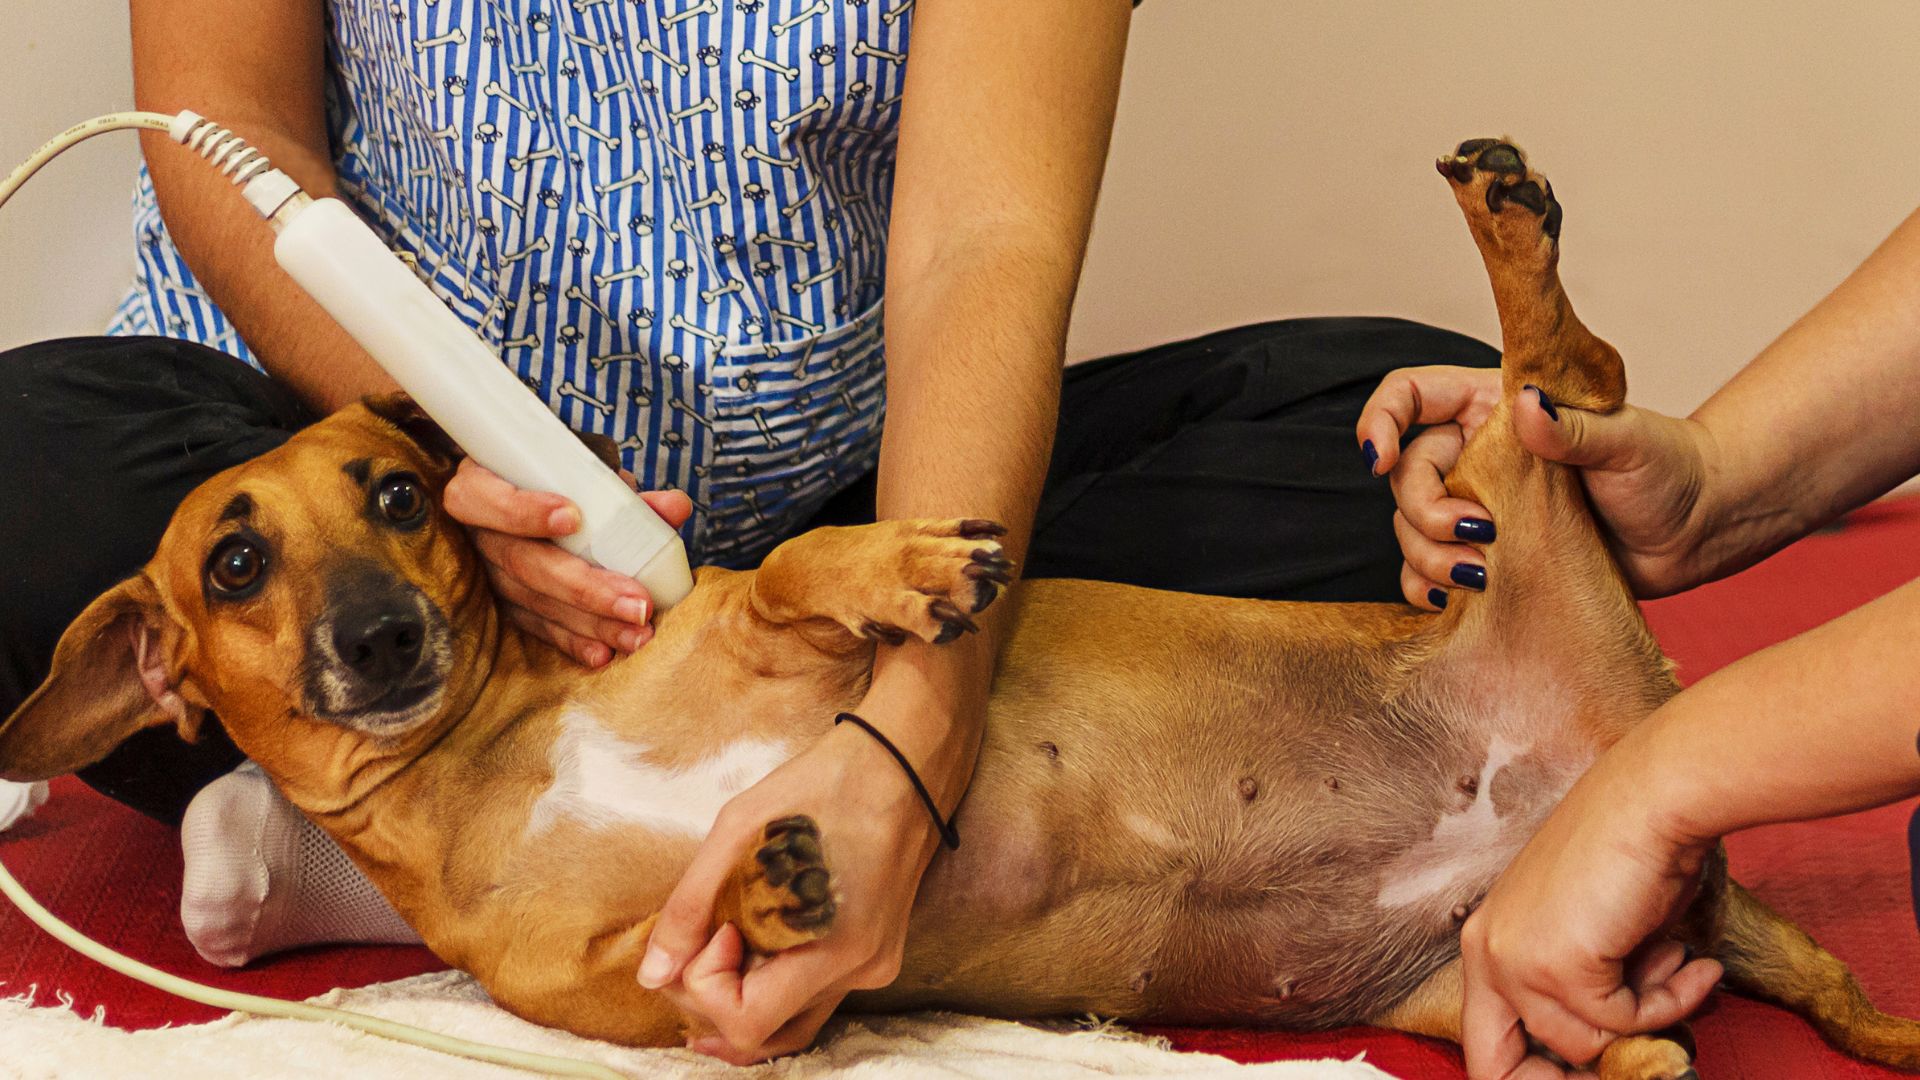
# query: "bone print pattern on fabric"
668 217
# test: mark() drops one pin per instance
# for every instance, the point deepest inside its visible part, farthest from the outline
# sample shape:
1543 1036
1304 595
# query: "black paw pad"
1501 158
1473 146
792 860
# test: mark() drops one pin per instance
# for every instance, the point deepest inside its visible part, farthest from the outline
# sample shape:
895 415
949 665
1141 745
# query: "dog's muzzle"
377 659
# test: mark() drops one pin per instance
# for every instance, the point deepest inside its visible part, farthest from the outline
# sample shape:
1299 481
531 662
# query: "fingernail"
1372 456
1546 403
629 640
1468 576
1438 598
655 968
1478 530
630 609
564 520
598 654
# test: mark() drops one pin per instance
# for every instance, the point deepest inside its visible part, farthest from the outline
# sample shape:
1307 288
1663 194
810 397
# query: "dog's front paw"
948 572
788 894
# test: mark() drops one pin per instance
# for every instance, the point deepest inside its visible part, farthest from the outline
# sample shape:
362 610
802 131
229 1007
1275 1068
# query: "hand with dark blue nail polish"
1469 576
1474 530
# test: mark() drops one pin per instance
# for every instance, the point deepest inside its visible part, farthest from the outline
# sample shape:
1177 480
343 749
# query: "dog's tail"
1770 958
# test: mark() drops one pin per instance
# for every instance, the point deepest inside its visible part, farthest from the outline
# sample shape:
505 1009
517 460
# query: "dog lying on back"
1258 812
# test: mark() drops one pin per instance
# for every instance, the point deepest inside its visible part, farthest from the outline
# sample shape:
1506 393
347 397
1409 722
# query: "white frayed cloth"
57 1043
18 801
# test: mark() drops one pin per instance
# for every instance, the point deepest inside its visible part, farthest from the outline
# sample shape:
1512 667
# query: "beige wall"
1723 163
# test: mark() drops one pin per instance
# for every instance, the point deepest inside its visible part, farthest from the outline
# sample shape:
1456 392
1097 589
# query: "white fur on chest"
601 779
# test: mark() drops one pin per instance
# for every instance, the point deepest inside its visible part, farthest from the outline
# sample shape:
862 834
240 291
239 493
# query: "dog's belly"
1218 830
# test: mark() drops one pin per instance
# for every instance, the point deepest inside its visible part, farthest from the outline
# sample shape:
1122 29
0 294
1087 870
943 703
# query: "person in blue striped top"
733 236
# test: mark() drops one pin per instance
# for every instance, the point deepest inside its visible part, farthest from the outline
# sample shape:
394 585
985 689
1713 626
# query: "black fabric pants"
1223 465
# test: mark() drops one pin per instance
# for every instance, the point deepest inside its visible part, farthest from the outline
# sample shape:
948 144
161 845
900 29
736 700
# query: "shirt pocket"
794 422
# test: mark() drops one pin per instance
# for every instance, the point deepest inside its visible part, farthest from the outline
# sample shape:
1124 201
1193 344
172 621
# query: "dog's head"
316 599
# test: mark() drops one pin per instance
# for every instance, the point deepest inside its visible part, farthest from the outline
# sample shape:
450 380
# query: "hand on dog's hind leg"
261 878
888 581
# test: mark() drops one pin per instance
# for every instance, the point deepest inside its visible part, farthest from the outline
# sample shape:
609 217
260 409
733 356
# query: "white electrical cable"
267 189
292 1010
78 133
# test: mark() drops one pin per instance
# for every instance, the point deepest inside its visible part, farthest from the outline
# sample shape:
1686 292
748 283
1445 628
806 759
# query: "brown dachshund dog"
1265 813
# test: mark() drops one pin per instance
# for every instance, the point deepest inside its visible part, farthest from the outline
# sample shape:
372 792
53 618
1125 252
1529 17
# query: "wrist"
930 700
1673 807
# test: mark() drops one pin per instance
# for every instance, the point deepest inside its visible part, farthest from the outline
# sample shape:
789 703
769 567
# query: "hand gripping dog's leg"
885 582
1434 1010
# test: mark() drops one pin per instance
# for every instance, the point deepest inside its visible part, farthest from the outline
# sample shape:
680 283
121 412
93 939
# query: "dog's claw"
892 635
981 529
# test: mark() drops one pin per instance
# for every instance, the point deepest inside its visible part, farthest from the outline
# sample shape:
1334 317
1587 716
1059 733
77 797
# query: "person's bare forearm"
258 69
1008 112
1824 723
1822 420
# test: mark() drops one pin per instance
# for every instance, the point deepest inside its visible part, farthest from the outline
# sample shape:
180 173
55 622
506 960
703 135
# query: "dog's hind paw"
1501 195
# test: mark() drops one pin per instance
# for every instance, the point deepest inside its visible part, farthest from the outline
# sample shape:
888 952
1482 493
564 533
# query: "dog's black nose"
380 646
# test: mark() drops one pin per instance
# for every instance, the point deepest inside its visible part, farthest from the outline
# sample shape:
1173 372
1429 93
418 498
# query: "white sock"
262 878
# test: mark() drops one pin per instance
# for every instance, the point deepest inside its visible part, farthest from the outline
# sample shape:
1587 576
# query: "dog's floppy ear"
115 671
402 412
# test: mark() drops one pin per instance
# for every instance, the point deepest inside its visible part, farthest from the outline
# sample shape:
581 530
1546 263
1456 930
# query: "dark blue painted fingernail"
1546 403
1468 576
1438 598
1372 456
1478 530
1913 849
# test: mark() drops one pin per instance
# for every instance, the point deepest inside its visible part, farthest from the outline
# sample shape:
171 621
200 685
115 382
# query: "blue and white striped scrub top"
669 217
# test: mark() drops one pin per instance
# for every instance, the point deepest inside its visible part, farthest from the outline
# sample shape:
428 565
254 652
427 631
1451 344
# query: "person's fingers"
1654 964
1560 1030
711 981
482 499
775 993
586 651
682 928
557 573
1420 489
797 1034
673 506
1606 441
1655 1001
1420 592
1457 564
1494 1042
1409 397
615 634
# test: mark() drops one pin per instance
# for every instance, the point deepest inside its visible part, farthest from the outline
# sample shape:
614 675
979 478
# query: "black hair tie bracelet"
949 835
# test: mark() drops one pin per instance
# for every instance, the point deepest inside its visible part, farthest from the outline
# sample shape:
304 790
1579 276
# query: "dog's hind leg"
1770 958
1556 612
1433 1010
1515 221
884 582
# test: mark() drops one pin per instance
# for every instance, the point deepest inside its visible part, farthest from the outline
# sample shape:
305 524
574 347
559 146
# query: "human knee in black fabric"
1226 464
104 437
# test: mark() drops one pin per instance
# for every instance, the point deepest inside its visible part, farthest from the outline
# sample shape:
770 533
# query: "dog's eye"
401 498
237 567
